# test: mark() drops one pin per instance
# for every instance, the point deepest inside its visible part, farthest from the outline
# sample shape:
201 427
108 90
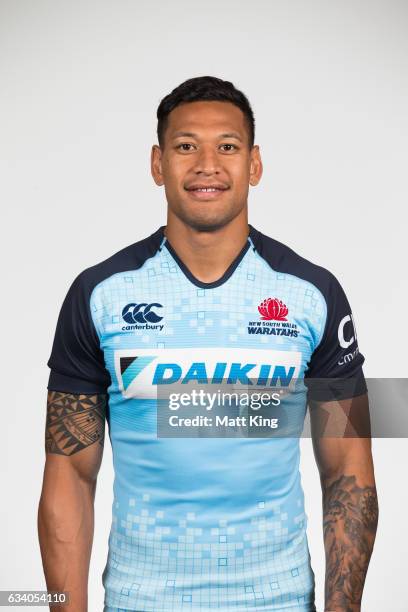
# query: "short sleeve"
77 363
335 368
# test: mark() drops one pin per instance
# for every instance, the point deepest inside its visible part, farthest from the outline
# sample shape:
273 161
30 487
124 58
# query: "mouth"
206 192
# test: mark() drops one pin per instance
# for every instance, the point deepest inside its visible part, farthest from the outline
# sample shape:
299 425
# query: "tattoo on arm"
350 517
74 421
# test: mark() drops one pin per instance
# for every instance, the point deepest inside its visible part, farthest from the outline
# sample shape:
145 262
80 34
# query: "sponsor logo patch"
347 335
140 371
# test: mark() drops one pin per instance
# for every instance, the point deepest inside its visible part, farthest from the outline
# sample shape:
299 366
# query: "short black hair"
204 88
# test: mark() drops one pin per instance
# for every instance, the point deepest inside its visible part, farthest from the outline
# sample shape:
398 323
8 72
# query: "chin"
206 220
206 226
202 223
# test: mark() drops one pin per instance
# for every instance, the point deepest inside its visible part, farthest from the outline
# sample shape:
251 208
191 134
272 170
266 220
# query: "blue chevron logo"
130 367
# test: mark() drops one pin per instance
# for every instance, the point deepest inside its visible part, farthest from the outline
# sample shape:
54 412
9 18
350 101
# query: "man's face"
206 145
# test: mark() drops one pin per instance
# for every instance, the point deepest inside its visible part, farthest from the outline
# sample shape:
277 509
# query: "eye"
184 146
230 146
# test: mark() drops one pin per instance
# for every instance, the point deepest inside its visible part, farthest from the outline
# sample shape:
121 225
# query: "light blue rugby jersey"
203 523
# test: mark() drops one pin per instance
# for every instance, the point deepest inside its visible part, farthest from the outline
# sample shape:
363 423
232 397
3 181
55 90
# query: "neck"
207 254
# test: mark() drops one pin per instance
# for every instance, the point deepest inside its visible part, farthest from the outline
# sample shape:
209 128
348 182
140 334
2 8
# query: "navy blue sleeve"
77 362
335 368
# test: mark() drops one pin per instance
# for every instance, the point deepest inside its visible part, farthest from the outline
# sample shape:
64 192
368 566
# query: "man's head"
206 140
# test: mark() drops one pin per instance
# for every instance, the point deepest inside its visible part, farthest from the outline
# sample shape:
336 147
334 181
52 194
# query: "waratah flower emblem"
272 309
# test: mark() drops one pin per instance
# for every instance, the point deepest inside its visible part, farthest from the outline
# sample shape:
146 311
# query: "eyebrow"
193 135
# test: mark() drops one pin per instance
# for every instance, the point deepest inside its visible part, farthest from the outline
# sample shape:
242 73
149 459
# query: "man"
203 522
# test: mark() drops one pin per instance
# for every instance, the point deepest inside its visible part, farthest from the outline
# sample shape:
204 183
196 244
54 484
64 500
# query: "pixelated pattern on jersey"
181 566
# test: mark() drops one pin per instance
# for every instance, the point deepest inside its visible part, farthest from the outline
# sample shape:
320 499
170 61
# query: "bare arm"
74 445
350 506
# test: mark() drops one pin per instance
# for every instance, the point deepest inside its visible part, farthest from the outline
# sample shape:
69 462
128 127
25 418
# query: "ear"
156 165
256 168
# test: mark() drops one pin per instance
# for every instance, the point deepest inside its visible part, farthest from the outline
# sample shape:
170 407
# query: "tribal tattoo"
350 517
74 421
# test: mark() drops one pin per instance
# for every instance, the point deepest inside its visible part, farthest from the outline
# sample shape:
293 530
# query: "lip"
206 195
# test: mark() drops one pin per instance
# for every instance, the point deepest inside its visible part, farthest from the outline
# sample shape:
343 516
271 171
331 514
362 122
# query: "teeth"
209 189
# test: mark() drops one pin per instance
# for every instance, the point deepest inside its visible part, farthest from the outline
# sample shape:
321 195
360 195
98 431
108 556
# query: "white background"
80 83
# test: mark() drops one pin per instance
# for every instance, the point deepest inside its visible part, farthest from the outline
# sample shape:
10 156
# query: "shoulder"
129 258
285 260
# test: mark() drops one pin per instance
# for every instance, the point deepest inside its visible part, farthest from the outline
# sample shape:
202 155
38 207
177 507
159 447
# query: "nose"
207 161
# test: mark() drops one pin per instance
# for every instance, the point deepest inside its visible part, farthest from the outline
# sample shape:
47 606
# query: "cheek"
241 180
175 175
240 173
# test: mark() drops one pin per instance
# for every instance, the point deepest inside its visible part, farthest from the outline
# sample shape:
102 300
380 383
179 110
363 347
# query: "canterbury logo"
141 313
